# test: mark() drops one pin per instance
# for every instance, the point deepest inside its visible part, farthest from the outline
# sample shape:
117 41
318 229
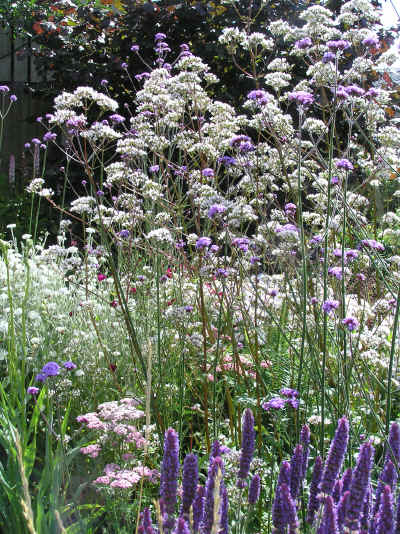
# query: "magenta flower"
351 323
276 403
301 97
203 242
344 164
51 369
341 44
32 390
330 305
303 43
101 277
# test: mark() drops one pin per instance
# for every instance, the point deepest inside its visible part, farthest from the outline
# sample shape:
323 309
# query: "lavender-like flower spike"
224 525
337 491
296 469
289 512
305 441
277 511
394 442
329 519
335 457
397 527
366 510
208 516
342 508
254 489
346 479
313 501
169 475
189 483
198 508
248 440
387 477
385 523
147 524
359 486
181 527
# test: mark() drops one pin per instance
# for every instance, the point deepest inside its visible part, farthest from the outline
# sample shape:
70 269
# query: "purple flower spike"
224 517
198 508
288 507
335 457
181 527
284 474
394 442
342 507
146 520
346 479
388 477
329 523
397 529
169 475
296 469
385 523
254 489
189 483
313 501
359 486
208 516
337 491
248 439
366 509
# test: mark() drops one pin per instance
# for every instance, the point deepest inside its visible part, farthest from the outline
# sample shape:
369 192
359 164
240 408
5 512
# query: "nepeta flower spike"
359 486
329 519
387 477
208 516
254 489
341 509
181 527
346 479
198 508
296 470
189 483
248 440
169 475
313 501
335 457
385 523
224 526
289 512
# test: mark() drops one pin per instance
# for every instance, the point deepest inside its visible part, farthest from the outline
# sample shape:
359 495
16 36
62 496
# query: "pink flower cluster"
116 477
114 417
242 365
